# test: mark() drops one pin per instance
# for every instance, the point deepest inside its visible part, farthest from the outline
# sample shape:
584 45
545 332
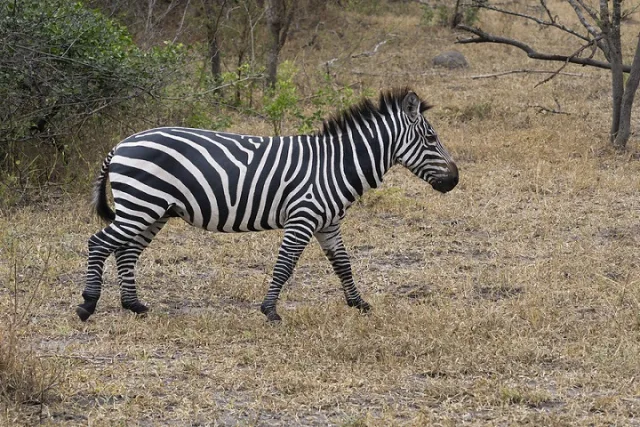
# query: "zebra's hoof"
361 305
270 312
87 308
137 307
83 313
272 316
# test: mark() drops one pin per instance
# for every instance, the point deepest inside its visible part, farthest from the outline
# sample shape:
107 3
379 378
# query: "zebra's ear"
411 106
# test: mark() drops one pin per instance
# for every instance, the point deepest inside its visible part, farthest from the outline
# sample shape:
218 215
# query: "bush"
61 67
282 101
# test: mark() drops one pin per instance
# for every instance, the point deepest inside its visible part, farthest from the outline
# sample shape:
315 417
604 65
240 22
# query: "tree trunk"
624 127
612 34
456 16
214 54
213 12
275 13
278 22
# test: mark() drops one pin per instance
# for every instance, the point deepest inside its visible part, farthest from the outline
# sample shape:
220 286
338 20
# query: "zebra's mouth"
444 185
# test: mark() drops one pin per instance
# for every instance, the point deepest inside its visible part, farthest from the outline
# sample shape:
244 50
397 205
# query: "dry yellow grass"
514 299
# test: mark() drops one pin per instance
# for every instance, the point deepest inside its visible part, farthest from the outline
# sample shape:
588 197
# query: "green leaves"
283 99
62 64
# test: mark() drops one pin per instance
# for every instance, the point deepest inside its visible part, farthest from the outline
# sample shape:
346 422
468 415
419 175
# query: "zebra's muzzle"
446 183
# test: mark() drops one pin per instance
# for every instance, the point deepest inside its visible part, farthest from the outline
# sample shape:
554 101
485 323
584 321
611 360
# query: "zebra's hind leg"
330 240
126 259
101 245
296 238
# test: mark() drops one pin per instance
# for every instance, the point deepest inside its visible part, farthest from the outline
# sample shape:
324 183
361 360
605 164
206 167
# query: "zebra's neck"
367 150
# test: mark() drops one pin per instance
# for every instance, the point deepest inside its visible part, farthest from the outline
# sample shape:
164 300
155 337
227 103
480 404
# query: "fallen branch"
371 52
407 73
543 109
524 71
483 37
98 360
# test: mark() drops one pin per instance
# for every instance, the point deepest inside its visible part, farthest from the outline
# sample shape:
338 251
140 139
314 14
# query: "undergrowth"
24 377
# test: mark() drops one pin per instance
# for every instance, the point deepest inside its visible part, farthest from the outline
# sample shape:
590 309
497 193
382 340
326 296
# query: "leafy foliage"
61 66
283 99
329 99
283 102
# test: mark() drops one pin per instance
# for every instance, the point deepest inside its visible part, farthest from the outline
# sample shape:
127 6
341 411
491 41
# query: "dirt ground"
514 299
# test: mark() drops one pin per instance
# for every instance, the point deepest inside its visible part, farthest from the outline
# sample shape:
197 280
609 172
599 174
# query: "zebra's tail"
100 204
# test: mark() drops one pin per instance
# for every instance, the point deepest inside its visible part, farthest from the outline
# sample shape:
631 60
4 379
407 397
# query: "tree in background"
601 31
279 16
214 11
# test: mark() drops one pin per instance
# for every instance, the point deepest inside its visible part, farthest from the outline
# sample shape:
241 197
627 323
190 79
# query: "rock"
450 59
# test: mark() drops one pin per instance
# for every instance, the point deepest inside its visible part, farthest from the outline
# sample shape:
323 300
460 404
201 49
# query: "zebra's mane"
389 102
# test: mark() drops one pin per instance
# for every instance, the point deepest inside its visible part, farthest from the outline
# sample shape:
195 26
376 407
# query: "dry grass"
25 378
512 300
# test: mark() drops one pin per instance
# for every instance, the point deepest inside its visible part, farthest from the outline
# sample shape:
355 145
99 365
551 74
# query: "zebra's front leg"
296 238
330 240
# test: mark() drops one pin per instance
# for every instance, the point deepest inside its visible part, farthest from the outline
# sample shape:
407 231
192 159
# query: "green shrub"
443 15
471 15
282 101
61 67
427 16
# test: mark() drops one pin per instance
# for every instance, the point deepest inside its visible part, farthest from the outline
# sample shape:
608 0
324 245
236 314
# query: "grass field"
514 299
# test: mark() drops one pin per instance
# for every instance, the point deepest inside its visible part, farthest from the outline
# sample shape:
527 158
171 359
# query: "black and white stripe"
233 183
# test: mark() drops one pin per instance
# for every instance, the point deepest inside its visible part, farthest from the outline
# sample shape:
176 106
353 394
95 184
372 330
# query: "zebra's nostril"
445 185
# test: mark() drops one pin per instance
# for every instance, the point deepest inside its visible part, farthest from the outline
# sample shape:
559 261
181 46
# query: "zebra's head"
419 149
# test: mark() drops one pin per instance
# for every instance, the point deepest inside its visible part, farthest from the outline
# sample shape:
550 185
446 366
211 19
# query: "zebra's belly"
233 220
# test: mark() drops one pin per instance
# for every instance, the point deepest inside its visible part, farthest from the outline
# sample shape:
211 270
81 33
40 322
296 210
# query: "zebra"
233 183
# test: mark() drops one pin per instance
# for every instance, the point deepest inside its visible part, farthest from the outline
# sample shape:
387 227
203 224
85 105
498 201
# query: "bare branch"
546 8
539 21
543 109
214 89
604 16
184 14
576 4
573 55
630 12
483 37
553 75
592 13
